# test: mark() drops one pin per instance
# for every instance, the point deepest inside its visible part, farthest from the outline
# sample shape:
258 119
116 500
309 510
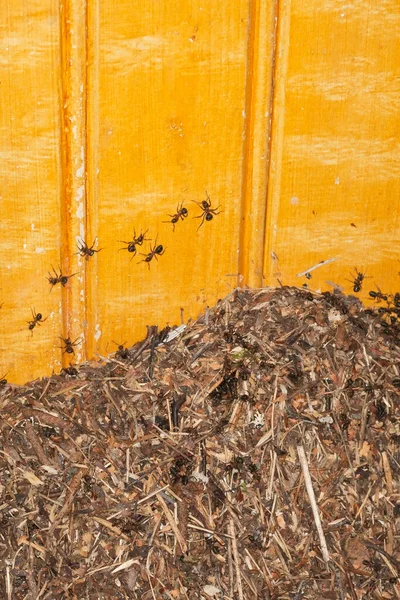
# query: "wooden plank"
170 96
30 186
261 49
334 174
75 213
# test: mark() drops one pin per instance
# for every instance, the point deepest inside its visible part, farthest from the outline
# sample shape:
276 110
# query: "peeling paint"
80 210
294 200
97 333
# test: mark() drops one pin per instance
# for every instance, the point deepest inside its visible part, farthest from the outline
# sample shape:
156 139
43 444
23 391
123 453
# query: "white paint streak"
40 250
97 334
80 211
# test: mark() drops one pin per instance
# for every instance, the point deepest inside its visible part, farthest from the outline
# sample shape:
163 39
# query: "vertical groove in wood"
256 149
92 146
73 23
277 139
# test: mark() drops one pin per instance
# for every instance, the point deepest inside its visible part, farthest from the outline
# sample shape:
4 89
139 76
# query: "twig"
172 523
313 502
236 557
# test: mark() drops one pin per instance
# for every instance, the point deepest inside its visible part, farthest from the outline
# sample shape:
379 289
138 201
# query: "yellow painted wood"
75 217
334 175
171 100
257 139
30 186
114 113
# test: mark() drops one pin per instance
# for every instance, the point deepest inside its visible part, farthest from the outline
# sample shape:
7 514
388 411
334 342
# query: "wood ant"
181 213
208 212
68 345
58 278
84 249
137 241
378 296
122 352
357 281
154 251
37 320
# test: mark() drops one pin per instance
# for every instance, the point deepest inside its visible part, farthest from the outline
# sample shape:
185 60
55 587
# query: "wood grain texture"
171 99
30 191
114 113
334 174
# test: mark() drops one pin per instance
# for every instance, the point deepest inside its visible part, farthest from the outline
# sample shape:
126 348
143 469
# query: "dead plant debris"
254 456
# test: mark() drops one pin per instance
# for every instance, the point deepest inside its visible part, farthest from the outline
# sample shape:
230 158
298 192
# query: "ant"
68 345
122 352
37 320
208 212
181 213
378 296
137 241
3 380
154 251
357 281
85 251
58 278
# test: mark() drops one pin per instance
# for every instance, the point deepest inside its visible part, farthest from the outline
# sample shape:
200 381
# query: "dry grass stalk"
313 502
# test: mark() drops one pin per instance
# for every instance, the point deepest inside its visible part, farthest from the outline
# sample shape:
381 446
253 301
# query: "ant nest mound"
252 454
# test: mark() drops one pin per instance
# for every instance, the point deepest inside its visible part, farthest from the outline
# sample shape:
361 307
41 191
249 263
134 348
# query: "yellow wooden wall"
113 112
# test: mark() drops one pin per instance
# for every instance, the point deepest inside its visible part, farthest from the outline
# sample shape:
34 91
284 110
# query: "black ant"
137 241
357 281
122 352
154 251
84 249
68 345
208 212
37 320
181 213
71 371
3 380
378 296
58 278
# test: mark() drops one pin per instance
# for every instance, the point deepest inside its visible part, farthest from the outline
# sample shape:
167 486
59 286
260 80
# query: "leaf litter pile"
254 456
